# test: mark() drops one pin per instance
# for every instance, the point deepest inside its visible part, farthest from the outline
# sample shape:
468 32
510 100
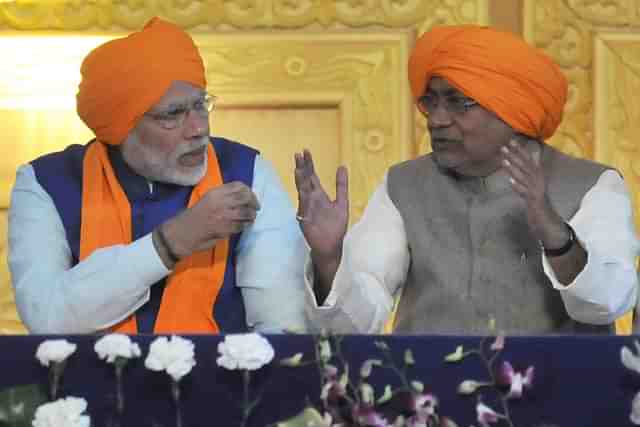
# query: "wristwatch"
562 249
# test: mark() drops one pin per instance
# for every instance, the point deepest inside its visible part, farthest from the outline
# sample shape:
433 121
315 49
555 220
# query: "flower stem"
246 408
119 391
175 393
55 371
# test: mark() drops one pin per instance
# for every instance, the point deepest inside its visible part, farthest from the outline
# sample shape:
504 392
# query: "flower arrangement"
508 383
349 402
348 395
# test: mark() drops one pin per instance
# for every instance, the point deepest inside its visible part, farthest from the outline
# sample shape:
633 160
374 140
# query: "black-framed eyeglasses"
175 116
455 104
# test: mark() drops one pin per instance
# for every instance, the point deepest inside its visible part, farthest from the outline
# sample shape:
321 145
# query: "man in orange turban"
154 226
493 224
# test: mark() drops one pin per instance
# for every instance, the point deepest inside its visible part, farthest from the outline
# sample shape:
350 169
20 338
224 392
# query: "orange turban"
124 78
505 75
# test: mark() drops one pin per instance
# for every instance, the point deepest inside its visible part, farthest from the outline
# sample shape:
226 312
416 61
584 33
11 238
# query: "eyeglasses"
175 116
427 104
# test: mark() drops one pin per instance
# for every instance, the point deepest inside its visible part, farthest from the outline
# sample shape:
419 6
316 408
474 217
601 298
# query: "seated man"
493 224
153 226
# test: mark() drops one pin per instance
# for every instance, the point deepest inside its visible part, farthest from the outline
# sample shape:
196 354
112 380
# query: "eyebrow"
182 102
444 92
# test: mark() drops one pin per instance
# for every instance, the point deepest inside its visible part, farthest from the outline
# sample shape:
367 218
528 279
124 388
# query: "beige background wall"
328 75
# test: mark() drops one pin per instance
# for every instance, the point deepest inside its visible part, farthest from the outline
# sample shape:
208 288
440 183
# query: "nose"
195 125
439 117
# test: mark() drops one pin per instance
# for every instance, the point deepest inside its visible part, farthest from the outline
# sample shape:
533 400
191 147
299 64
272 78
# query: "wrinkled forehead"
179 93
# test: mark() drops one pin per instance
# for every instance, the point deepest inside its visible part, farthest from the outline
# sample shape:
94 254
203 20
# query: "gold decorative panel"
239 14
596 44
617 109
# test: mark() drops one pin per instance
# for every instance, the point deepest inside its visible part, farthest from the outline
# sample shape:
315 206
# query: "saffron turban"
125 77
517 82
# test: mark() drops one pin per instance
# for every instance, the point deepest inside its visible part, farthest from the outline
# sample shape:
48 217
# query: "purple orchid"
516 381
486 415
366 415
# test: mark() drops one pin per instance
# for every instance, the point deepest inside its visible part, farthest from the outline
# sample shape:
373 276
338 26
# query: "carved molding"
617 71
239 14
598 127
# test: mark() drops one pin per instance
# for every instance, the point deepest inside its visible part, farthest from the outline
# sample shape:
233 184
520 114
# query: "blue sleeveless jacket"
60 174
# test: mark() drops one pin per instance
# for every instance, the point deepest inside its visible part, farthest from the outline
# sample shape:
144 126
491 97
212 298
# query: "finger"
303 183
244 213
516 173
342 186
519 188
515 160
310 169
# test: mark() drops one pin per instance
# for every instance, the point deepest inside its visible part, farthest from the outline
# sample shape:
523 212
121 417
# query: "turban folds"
517 82
124 78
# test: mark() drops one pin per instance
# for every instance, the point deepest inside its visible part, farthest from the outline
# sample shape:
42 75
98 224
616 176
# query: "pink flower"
516 381
367 416
498 344
486 415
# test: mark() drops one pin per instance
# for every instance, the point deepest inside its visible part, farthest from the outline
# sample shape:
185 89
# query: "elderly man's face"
176 156
467 141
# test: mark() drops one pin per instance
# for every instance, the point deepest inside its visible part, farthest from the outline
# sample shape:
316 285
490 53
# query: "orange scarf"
191 290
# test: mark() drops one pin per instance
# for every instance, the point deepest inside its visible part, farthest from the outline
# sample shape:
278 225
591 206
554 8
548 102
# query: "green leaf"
308 417
18 405
408 357
388 394
455 356
417 386
292 361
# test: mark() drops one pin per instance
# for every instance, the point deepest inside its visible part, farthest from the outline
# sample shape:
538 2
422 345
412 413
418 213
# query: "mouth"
195 157
443 143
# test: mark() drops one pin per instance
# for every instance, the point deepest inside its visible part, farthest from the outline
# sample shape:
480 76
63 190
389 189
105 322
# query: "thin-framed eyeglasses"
175 115
427 104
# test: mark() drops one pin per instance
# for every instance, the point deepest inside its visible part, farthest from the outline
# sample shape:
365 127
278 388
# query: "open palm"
323 221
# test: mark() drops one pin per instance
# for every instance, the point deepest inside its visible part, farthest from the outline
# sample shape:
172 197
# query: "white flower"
111 346
175 356
54 351
65 412
635 410
244 351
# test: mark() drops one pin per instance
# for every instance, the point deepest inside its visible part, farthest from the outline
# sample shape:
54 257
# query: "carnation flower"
67 412
56 351
175 356
112 346
244 351
54 354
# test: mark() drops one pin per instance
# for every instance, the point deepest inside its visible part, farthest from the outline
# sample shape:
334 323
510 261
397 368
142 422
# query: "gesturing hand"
221 212
324 222
528 180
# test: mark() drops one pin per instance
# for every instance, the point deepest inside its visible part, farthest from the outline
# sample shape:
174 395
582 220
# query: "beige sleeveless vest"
472 255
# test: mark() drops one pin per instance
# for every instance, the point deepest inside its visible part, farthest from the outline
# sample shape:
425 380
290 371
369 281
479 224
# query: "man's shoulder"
564 163
228 146
422 163
71 152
